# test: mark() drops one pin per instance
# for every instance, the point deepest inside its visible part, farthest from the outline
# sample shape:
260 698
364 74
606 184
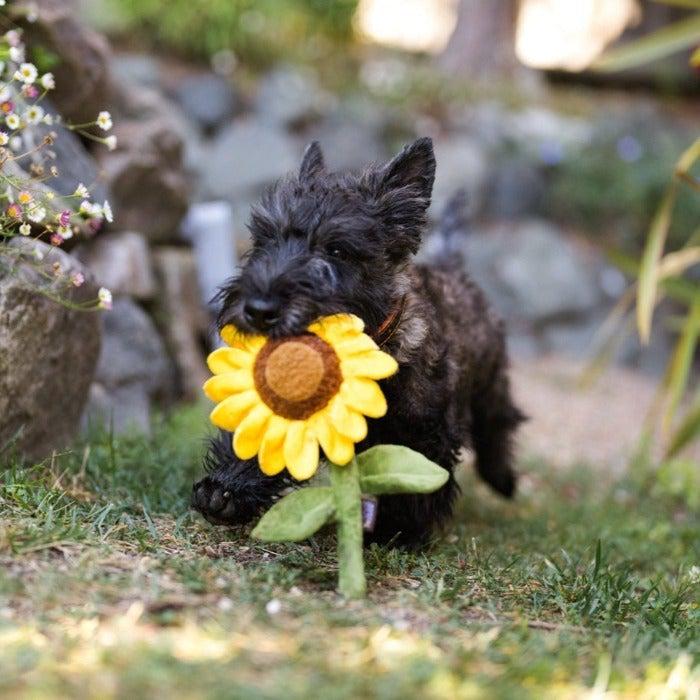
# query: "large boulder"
83 82
145 174
533 273
48 351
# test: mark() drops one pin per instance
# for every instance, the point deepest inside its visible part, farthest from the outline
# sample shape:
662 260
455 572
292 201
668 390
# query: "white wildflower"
104 121
48 119
107 212
65 232
81 191
273 607
13 121
104 297
36 214
17 54
47 81
34 114
111 142
25 229
27 73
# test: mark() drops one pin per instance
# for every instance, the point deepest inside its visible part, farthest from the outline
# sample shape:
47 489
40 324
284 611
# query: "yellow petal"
231 411
373 365
338 448
333 329
234 338
365 396
346 421
271 455
225 360
301 451
353 345
222 385
249 434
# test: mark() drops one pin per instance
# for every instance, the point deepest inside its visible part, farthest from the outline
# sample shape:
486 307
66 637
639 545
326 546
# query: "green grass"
110 587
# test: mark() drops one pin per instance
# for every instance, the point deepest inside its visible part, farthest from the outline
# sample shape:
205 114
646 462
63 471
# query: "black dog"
325 243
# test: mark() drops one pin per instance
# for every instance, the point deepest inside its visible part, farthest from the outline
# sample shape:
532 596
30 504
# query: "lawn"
111 587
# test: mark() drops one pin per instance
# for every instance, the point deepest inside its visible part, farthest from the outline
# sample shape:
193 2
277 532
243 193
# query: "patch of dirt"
599 425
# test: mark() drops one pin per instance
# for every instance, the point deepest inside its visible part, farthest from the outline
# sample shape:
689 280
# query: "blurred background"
563 120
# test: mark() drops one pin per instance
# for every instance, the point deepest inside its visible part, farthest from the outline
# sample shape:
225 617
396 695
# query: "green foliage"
597 189
258 31
396 469
297 516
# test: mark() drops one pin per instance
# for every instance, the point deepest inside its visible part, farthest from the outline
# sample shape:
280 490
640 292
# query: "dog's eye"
335 251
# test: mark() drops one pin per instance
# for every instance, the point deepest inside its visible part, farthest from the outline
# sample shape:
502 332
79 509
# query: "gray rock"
133 370
290 96
122 263
531 271
347 144
132 350
461 163
244 157
185 321
208 99
136 69
145 174
48 352
516 190
125 409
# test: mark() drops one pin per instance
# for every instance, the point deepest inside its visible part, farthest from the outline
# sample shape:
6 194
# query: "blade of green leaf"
388 469
681 362
690 4
297 516
690 155
678 36
688 431
648 272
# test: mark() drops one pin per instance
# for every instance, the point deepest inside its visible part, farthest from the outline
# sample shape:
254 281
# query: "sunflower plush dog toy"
286 400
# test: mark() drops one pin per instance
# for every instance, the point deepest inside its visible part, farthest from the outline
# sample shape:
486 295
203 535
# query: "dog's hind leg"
495 419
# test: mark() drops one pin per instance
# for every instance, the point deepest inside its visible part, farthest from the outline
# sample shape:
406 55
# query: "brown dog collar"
390 324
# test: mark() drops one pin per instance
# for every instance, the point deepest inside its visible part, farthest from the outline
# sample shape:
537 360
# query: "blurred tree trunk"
482 45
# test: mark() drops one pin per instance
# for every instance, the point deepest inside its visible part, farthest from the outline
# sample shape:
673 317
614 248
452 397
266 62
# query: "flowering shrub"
29 205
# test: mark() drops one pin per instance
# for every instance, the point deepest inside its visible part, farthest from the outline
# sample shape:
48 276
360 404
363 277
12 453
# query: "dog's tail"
454 225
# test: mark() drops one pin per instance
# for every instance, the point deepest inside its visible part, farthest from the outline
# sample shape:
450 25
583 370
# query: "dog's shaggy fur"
325 243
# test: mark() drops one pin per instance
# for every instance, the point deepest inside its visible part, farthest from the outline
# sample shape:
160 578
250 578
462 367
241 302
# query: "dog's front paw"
216 503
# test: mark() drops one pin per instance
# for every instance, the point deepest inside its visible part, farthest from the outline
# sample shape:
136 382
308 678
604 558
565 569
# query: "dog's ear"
412 170
312 163
403 188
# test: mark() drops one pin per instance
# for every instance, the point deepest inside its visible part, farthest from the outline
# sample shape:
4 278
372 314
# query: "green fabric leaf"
395 469
297 516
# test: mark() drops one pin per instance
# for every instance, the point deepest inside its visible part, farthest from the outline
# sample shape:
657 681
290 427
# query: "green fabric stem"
345 482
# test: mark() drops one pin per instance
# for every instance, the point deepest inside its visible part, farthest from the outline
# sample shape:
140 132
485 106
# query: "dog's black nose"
261 313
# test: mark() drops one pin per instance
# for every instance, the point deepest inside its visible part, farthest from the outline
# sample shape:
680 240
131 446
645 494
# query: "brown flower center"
297 376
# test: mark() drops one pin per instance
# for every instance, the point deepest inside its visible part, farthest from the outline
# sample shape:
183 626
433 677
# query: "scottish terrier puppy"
326 243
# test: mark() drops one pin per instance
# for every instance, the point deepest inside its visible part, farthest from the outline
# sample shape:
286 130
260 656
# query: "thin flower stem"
345 482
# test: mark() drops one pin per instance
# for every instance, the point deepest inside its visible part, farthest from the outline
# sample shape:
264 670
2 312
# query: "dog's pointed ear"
412 170
312 163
